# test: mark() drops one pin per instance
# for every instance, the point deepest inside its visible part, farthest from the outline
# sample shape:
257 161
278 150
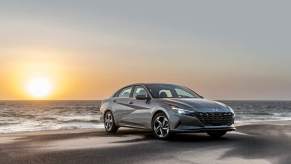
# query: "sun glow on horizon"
39 87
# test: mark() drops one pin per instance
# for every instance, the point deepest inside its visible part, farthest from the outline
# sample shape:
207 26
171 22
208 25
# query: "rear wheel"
109 124
216 134
160 126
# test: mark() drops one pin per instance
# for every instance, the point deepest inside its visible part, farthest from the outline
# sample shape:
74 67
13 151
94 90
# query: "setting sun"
39 88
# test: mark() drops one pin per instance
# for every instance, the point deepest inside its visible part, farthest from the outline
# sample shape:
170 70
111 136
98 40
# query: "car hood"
198 105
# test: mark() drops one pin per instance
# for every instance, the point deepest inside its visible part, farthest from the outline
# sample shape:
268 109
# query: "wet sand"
254 143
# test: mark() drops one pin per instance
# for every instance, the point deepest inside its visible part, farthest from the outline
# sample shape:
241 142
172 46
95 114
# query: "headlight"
180 110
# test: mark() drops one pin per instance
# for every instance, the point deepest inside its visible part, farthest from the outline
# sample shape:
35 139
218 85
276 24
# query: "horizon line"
104 99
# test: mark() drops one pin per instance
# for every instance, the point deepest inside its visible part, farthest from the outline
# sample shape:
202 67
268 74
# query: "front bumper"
192 123
203 129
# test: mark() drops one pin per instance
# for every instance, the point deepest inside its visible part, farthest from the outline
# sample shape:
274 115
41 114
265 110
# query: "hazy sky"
88 49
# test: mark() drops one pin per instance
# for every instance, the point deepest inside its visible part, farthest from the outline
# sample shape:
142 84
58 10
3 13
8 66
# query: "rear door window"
125 93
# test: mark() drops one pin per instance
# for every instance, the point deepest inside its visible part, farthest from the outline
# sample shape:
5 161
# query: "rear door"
121 105
142 108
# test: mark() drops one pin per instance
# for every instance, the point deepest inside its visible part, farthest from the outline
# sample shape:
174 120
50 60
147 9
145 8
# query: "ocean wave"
80 120
53 115
256 113
7 124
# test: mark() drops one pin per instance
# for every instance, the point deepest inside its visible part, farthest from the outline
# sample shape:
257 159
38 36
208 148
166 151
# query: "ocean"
20 116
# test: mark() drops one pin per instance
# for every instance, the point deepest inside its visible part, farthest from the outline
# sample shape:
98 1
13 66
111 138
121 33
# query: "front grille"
215 118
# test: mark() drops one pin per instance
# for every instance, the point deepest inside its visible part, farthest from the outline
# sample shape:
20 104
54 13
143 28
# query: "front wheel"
160 126
216 134
109 124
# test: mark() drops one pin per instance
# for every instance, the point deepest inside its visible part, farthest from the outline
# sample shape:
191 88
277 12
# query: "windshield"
171 91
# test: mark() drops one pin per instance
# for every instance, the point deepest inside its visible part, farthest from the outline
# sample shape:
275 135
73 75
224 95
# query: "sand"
262 143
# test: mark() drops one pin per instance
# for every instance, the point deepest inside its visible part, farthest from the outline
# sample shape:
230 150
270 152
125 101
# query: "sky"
88 49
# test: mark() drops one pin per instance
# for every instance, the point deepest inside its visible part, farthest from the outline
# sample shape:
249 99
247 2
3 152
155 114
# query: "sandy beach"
252 143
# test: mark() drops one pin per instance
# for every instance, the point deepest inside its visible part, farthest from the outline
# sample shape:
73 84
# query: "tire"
161 126
216 134
109 123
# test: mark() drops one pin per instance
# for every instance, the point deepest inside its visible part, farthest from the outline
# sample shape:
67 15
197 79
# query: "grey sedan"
165 109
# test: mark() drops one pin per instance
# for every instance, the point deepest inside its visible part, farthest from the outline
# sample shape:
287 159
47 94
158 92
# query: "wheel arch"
107 110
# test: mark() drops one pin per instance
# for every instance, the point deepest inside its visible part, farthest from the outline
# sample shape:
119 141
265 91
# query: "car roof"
151 84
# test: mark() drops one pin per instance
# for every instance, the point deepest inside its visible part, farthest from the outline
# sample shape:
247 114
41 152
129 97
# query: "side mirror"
141 97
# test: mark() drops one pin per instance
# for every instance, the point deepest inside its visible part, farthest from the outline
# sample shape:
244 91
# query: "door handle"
130 102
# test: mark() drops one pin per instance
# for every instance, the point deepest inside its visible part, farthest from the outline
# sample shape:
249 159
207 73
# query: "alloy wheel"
108 121
161 126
